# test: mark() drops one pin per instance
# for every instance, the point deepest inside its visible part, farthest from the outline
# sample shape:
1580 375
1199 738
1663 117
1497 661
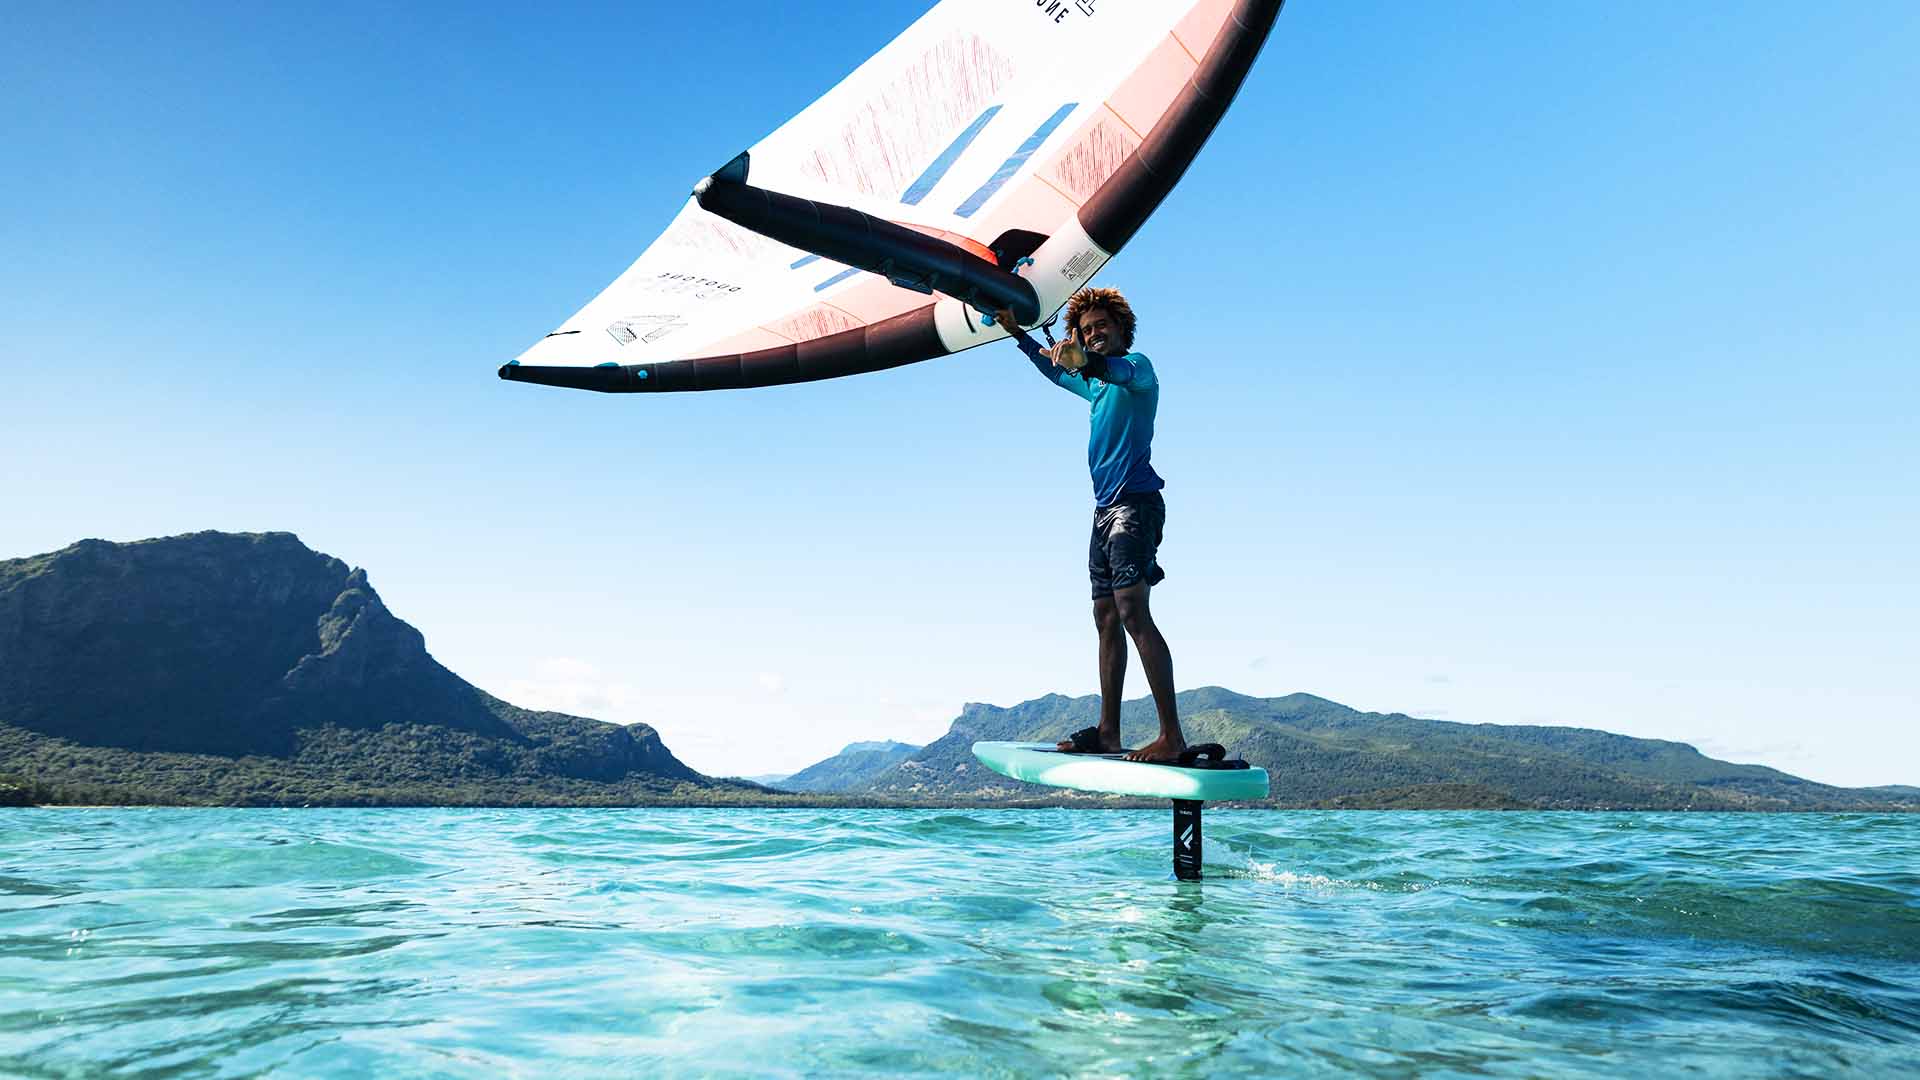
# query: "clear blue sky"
1522 363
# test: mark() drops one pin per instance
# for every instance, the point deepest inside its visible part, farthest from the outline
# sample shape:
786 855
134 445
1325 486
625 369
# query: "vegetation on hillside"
249 670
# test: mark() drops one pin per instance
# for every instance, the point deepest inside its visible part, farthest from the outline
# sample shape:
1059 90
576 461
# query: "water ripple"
976 943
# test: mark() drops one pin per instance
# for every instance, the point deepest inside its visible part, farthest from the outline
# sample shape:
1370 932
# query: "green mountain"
248 669
851 769
1323 754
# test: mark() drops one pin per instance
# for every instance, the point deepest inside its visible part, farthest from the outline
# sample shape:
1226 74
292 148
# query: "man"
1097 363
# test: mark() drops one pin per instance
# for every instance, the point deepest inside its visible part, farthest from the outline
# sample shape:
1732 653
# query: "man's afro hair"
1108 299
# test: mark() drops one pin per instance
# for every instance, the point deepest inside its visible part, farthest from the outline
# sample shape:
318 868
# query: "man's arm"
1118 370
1044 364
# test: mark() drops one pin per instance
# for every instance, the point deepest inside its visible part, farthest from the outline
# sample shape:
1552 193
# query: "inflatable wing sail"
995 155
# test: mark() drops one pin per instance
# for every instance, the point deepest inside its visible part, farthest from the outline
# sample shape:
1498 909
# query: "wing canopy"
966 166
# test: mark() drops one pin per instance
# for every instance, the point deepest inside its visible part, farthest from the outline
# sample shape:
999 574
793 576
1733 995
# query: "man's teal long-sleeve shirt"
1124 395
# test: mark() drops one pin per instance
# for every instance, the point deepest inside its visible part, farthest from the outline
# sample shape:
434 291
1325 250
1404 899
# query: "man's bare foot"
1162 749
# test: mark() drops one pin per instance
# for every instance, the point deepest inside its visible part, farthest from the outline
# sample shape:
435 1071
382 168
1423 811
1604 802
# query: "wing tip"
733 172
606 378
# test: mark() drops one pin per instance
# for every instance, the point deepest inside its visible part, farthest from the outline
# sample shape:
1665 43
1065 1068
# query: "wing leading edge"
914 257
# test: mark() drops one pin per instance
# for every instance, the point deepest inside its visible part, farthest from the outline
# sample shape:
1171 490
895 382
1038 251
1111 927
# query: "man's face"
1100 332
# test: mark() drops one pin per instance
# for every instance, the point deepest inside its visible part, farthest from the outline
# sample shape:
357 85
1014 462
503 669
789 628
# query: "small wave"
217 866
962 943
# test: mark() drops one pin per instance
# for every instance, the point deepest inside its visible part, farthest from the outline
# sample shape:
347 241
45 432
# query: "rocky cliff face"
217 643
214 643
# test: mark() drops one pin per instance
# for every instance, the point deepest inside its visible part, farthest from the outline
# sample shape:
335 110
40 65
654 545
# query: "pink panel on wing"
898 131
745 341
1145 94
1087 162
717 236
1033 204
814 322
1197 30
870 298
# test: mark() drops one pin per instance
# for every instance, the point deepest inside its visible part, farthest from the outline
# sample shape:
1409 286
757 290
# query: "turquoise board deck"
1040 763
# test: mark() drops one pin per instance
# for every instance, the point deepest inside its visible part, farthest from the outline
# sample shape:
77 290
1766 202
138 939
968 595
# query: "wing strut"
908 257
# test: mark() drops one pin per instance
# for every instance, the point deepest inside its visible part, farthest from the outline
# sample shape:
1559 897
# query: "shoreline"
1137 805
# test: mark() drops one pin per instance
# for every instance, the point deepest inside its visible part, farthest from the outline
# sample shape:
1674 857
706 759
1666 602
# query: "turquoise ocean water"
553 943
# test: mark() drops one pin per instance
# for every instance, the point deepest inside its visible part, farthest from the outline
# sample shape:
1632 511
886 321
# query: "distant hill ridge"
248 668
245 669
851 769
1321 753
883 746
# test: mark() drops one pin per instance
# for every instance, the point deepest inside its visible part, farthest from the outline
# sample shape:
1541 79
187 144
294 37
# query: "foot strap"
1208 756
1085 741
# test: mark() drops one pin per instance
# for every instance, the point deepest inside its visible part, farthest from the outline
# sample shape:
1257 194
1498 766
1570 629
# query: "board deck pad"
1041 763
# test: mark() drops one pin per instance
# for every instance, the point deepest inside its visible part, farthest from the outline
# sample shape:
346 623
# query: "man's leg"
1113 671
1157 662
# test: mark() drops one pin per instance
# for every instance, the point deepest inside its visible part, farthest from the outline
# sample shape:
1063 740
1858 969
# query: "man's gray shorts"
1126 541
